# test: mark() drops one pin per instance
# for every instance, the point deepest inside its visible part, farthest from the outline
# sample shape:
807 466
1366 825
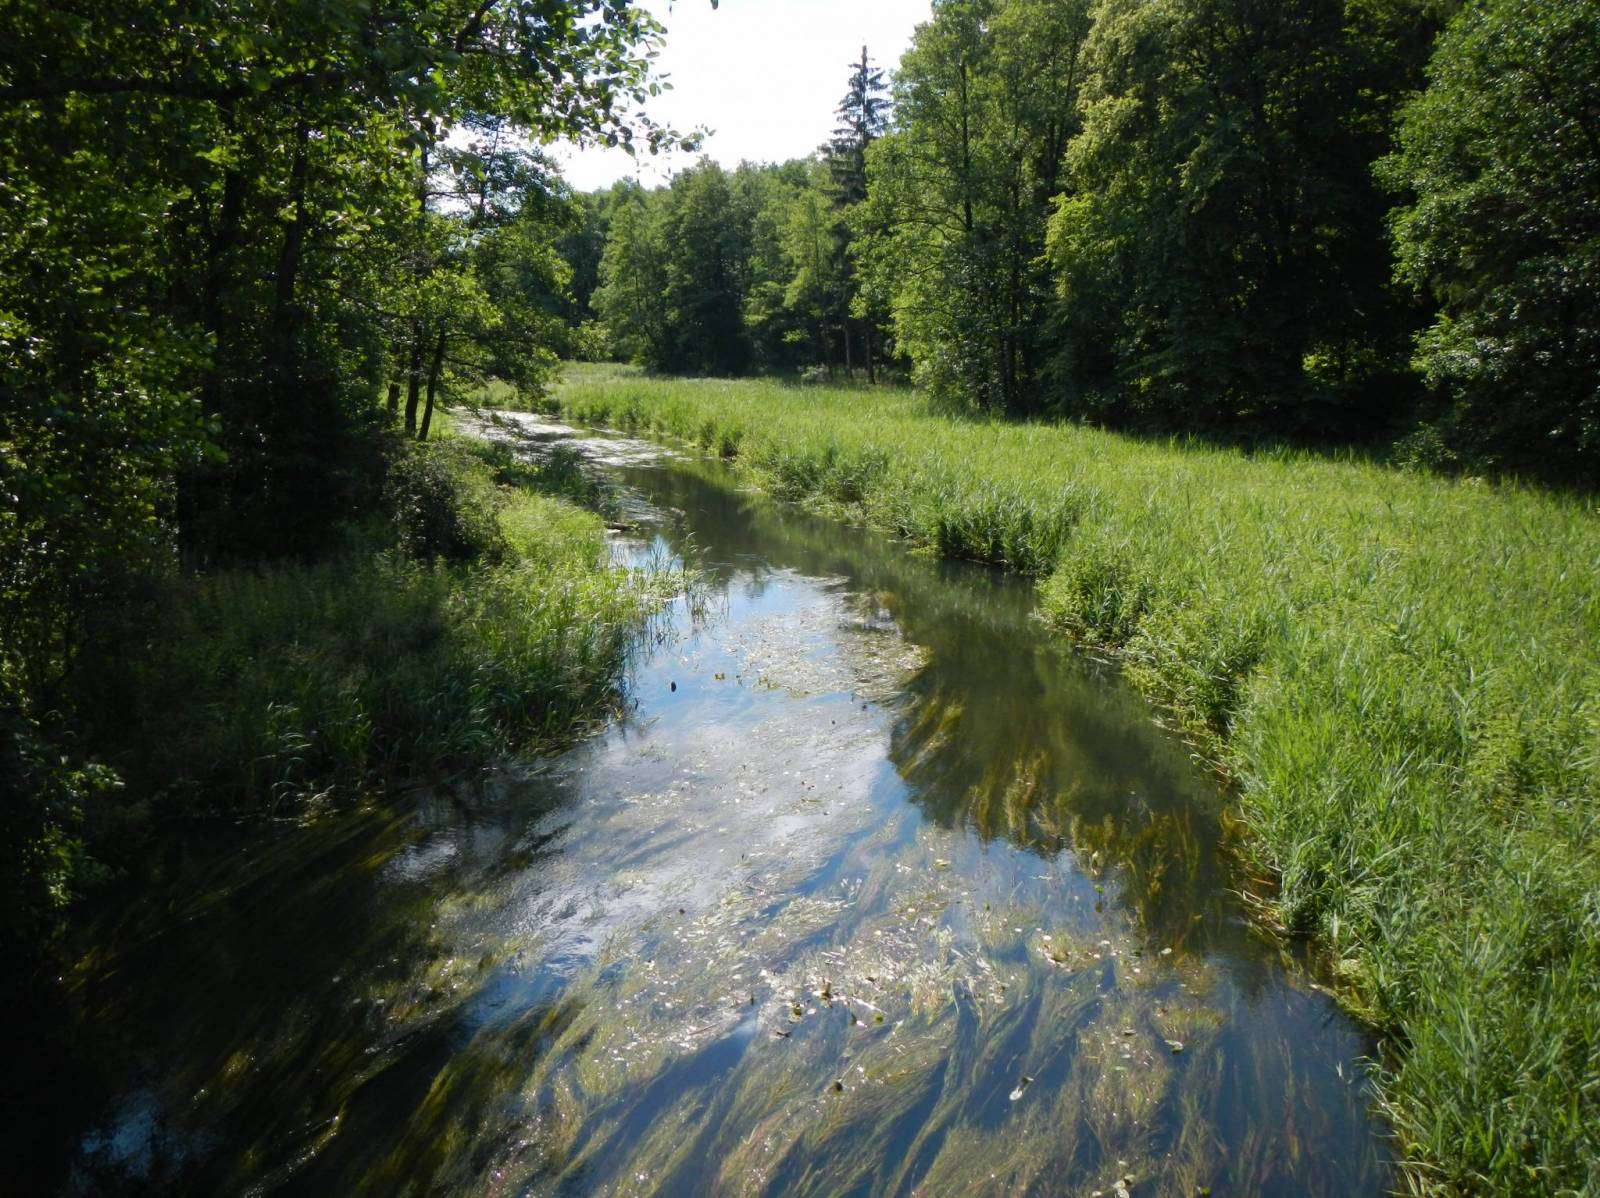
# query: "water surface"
873 888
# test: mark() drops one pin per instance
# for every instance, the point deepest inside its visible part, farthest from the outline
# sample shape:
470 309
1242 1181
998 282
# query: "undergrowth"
476 617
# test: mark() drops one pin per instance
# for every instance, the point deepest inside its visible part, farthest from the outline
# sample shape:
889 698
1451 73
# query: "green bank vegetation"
247 253
1398 672
488 627
472 615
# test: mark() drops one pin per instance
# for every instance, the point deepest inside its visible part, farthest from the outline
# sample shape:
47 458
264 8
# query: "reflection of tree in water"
1002 731
739 539
307 1013
1041 754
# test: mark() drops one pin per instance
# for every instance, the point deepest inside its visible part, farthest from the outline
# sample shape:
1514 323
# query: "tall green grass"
1400 674
483 619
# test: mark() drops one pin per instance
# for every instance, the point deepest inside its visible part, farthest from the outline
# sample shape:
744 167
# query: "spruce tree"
863 118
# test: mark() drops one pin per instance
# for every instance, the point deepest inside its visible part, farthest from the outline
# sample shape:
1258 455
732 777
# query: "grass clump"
1400 674
476 620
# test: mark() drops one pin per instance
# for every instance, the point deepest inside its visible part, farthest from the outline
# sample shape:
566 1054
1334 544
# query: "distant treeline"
1329 220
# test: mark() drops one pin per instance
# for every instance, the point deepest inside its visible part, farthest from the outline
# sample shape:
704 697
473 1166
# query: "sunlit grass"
1399 672
304 683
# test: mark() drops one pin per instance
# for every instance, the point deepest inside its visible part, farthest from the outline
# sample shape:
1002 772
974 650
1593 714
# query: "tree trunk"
872 368
285 326
849 354
219 256
397 365
414 374
434 370
966 154
414 378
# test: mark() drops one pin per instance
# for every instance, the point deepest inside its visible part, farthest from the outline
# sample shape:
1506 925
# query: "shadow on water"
874 890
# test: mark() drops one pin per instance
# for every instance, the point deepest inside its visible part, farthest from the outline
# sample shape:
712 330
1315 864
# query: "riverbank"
483 623
250 724
1398 672
472 615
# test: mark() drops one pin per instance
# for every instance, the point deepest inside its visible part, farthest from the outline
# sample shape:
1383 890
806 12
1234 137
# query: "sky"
764 75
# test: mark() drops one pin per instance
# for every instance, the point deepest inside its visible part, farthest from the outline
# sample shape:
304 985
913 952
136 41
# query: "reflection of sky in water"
873 890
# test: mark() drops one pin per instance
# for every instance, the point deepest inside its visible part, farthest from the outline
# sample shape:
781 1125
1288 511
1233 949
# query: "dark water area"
874 889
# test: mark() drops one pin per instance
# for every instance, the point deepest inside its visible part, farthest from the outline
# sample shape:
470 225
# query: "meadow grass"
298 684
1399 673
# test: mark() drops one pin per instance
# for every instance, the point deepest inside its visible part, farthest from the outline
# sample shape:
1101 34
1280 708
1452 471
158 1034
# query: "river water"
874 888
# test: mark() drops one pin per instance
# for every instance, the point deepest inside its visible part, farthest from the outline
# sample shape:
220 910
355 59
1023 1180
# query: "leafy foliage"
441 510
720 273
955 217
223 229
1501 158
1219 243
675 275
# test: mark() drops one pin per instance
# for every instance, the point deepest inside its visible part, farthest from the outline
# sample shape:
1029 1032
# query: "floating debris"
1021 1086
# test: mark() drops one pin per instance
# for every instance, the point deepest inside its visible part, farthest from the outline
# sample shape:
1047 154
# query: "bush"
443 504
44 793
560 473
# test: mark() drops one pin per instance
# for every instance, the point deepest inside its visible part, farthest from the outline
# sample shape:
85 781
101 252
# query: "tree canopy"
233 238
1499 166
1333 221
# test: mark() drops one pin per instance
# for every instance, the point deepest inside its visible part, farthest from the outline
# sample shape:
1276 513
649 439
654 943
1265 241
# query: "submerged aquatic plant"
1399 673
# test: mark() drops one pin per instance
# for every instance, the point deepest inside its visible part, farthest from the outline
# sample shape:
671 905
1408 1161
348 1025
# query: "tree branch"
178 89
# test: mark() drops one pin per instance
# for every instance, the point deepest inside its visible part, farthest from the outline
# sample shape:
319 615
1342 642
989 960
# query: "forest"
245 246
1334 224
1260 337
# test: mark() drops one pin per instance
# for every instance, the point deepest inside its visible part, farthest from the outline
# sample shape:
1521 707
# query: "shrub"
443 504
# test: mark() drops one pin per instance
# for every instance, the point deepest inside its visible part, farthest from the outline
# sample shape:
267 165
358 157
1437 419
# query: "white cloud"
764 75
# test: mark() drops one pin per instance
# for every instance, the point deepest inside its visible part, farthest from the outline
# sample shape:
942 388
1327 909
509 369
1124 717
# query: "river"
873 888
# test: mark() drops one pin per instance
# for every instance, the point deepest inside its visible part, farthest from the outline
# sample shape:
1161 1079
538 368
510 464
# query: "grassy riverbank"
1399 672
479 619
470 616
